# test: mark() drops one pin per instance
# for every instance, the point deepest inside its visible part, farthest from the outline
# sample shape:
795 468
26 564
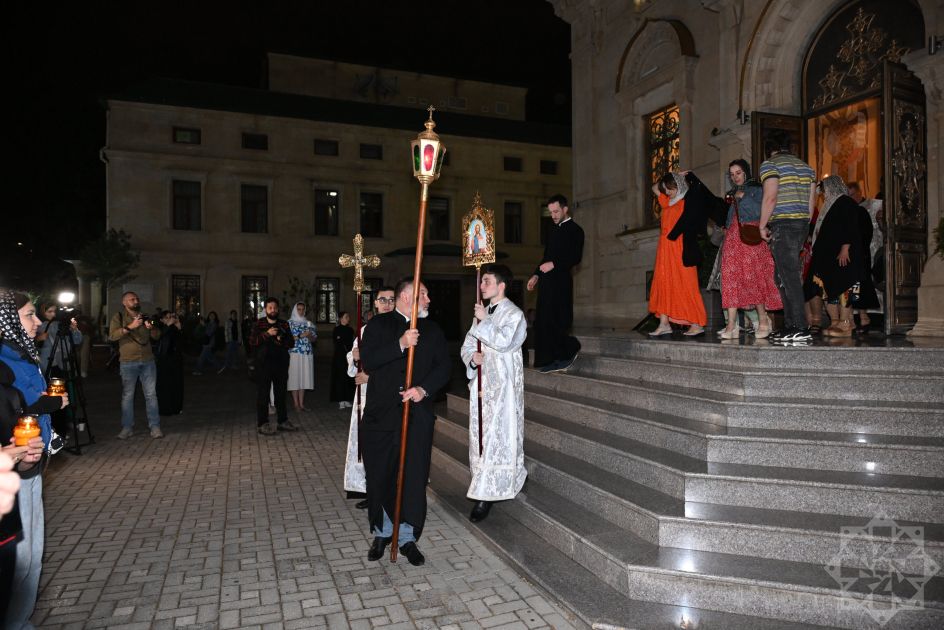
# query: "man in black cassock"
554 348
384 351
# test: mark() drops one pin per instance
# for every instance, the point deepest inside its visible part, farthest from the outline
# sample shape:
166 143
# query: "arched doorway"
863 118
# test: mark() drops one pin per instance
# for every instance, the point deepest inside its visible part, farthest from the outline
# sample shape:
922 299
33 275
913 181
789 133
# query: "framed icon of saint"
478 235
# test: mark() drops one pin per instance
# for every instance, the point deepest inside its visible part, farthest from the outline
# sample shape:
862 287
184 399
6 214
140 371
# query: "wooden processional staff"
359 261
478 248
428 153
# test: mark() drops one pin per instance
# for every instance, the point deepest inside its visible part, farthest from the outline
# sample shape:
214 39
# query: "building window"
186 205
546 224
458 102
371 288
327 299
255 208
515 293
502 108
513 221
513 164
437 215
185 295
186 135
257 141
255 290
662 152
371 215
326 147
372 152
548 167
326 212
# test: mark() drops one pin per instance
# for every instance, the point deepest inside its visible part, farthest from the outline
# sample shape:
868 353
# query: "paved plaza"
215 526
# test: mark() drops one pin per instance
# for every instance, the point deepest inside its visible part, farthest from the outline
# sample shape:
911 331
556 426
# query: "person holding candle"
24 393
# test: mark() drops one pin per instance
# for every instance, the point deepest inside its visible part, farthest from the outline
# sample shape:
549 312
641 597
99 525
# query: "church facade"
689 84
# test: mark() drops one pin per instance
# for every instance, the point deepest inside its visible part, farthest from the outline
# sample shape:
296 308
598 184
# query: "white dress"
499 473
354 476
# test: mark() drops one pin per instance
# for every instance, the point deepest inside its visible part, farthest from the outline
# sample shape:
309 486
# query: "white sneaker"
341 405
125 433
156 433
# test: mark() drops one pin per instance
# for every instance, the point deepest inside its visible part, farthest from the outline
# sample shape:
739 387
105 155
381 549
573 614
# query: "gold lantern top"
428 152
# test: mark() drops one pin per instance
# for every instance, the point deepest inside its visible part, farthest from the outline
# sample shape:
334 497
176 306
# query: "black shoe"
377 549
361 505
480 511
568 363
412 553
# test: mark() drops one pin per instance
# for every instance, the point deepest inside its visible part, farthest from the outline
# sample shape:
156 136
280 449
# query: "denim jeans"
29 556
786 240
232 354
405 535
207 356
146 372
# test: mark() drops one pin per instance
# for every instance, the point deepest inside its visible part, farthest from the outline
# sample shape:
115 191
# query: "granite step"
580 590
839 383
851 493
662 519
892 454
795 592
917 419
911 356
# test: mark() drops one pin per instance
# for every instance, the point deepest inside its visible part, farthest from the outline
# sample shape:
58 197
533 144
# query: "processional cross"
359 261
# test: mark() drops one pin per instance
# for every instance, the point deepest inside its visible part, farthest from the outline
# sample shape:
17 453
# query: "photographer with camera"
134 333
47 336
23 391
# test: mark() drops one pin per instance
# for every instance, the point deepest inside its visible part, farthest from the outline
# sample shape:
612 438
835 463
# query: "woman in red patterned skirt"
747 271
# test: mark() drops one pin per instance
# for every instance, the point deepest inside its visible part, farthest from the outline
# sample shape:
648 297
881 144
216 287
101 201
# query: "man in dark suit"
384 351
554 348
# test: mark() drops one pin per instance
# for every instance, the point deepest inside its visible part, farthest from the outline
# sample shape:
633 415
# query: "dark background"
62 60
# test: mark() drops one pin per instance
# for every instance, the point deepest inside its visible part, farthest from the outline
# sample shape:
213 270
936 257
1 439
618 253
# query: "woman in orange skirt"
675 295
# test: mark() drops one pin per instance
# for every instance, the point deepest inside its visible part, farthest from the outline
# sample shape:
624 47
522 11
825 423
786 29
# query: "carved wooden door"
905 191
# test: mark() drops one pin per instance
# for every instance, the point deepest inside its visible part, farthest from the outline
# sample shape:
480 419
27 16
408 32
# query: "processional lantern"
428 153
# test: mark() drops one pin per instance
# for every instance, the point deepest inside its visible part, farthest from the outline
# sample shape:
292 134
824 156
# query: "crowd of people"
787 242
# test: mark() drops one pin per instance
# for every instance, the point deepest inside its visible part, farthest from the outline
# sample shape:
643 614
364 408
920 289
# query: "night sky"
62 61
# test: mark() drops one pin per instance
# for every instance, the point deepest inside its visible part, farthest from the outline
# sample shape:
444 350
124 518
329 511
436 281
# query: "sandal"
816 330
658 332
728 334
694 330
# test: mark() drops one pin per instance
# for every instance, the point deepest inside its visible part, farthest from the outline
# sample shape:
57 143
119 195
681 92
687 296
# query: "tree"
109 259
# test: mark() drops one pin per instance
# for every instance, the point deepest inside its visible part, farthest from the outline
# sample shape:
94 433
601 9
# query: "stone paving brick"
215 527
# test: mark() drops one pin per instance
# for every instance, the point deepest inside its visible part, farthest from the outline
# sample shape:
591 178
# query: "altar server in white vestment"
354 480
498 473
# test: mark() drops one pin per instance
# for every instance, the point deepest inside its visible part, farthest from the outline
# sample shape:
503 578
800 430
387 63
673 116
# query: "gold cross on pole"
359 261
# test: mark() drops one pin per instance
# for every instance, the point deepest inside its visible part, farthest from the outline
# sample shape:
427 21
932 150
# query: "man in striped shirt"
789 197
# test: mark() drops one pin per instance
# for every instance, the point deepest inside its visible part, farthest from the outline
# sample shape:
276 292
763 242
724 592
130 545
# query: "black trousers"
274 377
7 568
552 343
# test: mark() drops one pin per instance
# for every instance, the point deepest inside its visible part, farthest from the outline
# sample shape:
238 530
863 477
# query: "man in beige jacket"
134 334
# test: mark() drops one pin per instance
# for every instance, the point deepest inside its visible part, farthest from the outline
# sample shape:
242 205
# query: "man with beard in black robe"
554 348
384 350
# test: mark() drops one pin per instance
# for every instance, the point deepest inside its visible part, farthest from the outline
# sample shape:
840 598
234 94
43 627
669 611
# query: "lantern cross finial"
359 261
431 109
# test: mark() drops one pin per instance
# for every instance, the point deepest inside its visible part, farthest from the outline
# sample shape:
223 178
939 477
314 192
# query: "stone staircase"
725 486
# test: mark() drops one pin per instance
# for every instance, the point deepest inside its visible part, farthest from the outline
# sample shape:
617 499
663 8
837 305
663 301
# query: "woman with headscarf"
747 271
675 295
301 367
342 385
837 267
21 375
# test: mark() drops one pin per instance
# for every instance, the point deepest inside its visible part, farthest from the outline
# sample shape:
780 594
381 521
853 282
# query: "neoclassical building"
694 84
231 194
